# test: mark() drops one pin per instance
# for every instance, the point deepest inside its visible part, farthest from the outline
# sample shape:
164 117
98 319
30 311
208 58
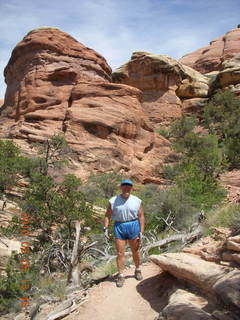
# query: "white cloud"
117 28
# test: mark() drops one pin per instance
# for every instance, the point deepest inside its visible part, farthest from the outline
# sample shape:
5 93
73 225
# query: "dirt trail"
138 300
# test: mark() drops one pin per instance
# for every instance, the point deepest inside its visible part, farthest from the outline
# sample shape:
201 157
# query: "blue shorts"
126 230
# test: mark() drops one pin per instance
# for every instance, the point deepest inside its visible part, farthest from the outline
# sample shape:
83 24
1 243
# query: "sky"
116 28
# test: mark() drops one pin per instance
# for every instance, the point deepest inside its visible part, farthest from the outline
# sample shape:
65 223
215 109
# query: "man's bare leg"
134 245
120 246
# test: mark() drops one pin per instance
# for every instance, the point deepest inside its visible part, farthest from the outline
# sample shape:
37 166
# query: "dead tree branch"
184 237
169 221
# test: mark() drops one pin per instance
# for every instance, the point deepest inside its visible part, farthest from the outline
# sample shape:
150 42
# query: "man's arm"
141 218
108 215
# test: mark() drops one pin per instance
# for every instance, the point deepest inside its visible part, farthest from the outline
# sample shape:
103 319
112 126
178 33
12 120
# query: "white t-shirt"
125 209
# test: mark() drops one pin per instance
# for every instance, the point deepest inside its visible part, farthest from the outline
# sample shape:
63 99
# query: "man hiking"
127 211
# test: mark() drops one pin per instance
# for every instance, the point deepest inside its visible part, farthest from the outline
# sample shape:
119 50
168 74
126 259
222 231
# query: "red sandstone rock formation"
56 84
164 82
210 58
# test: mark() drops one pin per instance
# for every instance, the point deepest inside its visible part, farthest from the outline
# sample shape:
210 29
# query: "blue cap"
127 181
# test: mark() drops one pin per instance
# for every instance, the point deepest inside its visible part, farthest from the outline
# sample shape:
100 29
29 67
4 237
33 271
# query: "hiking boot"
138 274
120 281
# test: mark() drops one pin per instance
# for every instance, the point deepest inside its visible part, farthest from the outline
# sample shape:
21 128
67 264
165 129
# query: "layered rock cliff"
56 84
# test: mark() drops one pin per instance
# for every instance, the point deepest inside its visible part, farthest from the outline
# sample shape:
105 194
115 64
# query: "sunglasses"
126 184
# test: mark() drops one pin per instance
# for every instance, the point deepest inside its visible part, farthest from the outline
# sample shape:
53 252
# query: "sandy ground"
138 300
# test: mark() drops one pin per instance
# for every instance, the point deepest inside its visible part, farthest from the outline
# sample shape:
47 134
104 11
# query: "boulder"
231 256
235 239
207 248
228 289
230 72
195 85
184 305
8 246
233 243
224 315
194 105
216 280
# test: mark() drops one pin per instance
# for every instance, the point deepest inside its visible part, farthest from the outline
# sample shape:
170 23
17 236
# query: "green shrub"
208 156
231 147
224 216
222 116
10 285
203 151
180 205
152 198
159 204
180 128
102 186
204 191
170 171
50 203
52 153
48 284
11 163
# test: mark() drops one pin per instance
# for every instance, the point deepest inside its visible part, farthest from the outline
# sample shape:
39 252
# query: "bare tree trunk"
4 202
73 273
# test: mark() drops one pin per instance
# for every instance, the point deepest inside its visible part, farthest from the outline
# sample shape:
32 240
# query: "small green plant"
54 284
155 250
164 131
104 269
52 153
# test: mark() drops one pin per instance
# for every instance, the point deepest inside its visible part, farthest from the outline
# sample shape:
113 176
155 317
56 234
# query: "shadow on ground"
157 289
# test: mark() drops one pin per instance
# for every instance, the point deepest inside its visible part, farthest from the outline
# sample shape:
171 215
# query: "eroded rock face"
230 72
210 58
57 85
164 82
42 70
